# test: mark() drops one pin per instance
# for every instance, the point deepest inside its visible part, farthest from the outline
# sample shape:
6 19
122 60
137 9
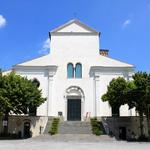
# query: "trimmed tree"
115 94
147 113
138 96
2 101
18 95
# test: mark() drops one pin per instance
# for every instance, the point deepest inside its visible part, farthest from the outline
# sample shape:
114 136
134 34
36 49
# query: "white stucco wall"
104 76
73 28
81 46
39 74
75 48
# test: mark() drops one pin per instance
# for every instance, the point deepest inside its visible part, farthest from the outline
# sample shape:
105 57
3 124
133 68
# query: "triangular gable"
110 62
103 61
45 60
74 26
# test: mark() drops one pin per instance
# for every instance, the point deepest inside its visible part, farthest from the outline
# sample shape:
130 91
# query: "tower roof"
74 26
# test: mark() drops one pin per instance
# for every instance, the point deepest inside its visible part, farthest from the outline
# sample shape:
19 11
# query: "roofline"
73 33
115 67
31 67
119 61
77 22
100 68
7 70
18 64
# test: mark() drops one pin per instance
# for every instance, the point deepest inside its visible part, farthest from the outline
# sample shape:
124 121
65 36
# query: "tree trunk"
141 124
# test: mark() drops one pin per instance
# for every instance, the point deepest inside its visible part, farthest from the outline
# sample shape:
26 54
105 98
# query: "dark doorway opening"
122 133
27 133
74 110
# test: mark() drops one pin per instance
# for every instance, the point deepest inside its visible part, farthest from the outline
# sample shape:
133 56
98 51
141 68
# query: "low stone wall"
16 125
131 125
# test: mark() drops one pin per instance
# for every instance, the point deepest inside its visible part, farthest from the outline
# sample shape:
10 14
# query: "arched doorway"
74 103
26 131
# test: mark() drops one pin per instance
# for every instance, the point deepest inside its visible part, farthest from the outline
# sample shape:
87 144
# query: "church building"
75 74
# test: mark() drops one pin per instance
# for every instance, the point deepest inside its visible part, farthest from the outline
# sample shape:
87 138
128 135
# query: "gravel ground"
71 142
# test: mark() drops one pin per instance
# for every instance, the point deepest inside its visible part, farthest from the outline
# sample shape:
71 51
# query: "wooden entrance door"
74 110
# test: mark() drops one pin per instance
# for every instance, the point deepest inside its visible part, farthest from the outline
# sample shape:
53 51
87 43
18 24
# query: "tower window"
78 70
70 70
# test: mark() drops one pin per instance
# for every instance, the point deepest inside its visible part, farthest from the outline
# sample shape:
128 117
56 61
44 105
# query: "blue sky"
124 27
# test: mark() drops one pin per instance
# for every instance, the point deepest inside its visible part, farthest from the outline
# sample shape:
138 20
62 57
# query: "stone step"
74 127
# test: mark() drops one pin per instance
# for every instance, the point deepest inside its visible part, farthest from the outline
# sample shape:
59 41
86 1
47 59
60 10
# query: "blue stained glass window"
78 70
70 70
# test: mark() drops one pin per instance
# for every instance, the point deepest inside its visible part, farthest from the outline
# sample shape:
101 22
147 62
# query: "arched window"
78 70
70 70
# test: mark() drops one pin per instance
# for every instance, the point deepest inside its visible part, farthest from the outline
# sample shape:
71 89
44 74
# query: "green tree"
135 93
2 102
138 96
115 94
18 94
147 113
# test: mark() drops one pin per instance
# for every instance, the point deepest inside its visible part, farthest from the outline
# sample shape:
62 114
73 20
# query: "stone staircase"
74 127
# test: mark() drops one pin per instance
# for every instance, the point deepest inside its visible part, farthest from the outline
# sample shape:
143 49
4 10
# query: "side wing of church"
75 74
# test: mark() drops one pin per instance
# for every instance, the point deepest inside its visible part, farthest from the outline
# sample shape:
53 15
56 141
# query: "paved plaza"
71 142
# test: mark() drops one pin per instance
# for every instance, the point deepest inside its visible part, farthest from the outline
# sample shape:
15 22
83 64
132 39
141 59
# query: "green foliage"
17 94
115 93
135 93
138 93
54 127
96 127
139 96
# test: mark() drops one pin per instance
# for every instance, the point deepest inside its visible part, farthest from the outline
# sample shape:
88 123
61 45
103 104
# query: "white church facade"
75 74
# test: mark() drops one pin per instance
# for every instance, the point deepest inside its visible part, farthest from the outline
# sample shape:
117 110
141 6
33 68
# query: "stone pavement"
74 138
71 142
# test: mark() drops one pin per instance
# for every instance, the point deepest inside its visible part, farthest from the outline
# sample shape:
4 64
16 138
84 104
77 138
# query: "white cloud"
45 47
2 21
126 23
